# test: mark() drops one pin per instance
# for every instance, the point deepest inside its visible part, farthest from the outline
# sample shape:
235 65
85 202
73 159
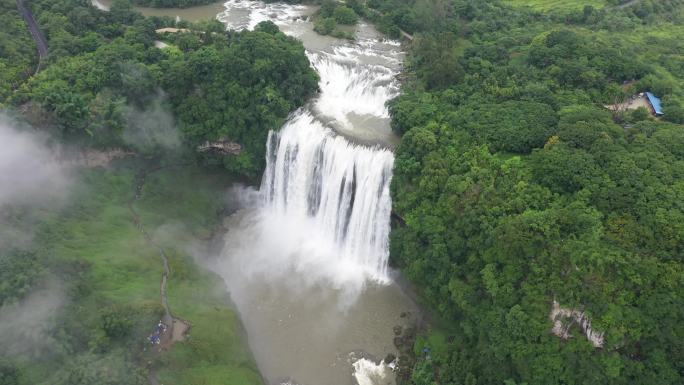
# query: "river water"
305 258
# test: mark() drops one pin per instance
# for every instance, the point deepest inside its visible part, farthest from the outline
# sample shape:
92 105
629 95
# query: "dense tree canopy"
516 188
105 73
18 56
239 90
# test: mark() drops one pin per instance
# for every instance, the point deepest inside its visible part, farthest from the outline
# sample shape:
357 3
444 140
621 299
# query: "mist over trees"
79 288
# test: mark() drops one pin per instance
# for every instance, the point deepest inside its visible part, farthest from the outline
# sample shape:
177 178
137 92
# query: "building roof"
655 102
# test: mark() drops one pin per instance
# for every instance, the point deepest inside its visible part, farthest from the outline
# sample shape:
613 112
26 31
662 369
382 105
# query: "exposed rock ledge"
563 319
222 146
93 158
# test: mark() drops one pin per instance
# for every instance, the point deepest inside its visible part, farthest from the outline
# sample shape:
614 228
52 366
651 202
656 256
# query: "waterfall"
303 256
340 188
324 209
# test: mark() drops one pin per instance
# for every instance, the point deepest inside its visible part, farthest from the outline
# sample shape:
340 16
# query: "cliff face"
222 146
564 318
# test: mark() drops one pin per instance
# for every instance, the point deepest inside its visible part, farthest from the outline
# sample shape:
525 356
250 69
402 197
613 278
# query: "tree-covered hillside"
18 56
104 71
515 188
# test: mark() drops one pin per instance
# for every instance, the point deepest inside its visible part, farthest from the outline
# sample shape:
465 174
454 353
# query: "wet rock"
398 342
390 358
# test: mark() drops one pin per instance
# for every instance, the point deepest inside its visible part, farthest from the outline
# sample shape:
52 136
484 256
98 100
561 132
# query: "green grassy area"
214 352
111 277
179 206
547 5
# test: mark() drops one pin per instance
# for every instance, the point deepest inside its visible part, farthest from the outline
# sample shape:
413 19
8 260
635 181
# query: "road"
36 33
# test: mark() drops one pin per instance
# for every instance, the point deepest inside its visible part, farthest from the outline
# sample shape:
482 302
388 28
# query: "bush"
639 114
327 8
345 15
673 113
116 321
325 26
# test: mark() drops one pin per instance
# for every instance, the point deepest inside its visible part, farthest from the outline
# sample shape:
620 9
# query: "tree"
345 15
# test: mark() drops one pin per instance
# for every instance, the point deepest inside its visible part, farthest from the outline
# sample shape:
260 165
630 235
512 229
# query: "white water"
329 196
336 192
250 13
367 372
306 262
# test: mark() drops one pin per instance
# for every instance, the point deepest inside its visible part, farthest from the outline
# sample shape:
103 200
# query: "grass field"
112 278
184 204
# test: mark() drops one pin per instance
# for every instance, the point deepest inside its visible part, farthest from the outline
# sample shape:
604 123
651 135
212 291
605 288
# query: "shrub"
345 15
325 26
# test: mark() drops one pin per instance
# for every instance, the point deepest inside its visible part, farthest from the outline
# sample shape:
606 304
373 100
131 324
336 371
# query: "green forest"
104 67
518 191
515 188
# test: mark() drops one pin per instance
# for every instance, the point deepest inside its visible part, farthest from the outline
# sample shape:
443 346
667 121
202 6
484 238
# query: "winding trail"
177 328
627 4
36 33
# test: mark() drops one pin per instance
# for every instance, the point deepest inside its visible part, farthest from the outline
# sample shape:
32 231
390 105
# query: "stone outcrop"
564 318
222 146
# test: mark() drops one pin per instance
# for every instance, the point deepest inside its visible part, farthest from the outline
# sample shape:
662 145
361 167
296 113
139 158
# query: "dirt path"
177 328
627 4
405 34
36 33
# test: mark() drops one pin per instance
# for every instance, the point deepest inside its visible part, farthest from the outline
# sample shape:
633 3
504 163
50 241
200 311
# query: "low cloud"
151 128
25 325
30 172
32 176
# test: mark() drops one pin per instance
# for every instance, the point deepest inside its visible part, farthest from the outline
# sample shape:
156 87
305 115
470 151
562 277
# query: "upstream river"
305 257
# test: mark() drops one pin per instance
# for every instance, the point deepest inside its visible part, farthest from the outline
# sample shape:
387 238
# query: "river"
305 258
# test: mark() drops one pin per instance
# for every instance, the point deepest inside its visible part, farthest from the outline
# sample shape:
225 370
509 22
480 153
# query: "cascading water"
338 189
306 261
330 193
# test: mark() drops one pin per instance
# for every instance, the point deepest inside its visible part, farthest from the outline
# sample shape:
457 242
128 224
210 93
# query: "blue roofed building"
654 101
